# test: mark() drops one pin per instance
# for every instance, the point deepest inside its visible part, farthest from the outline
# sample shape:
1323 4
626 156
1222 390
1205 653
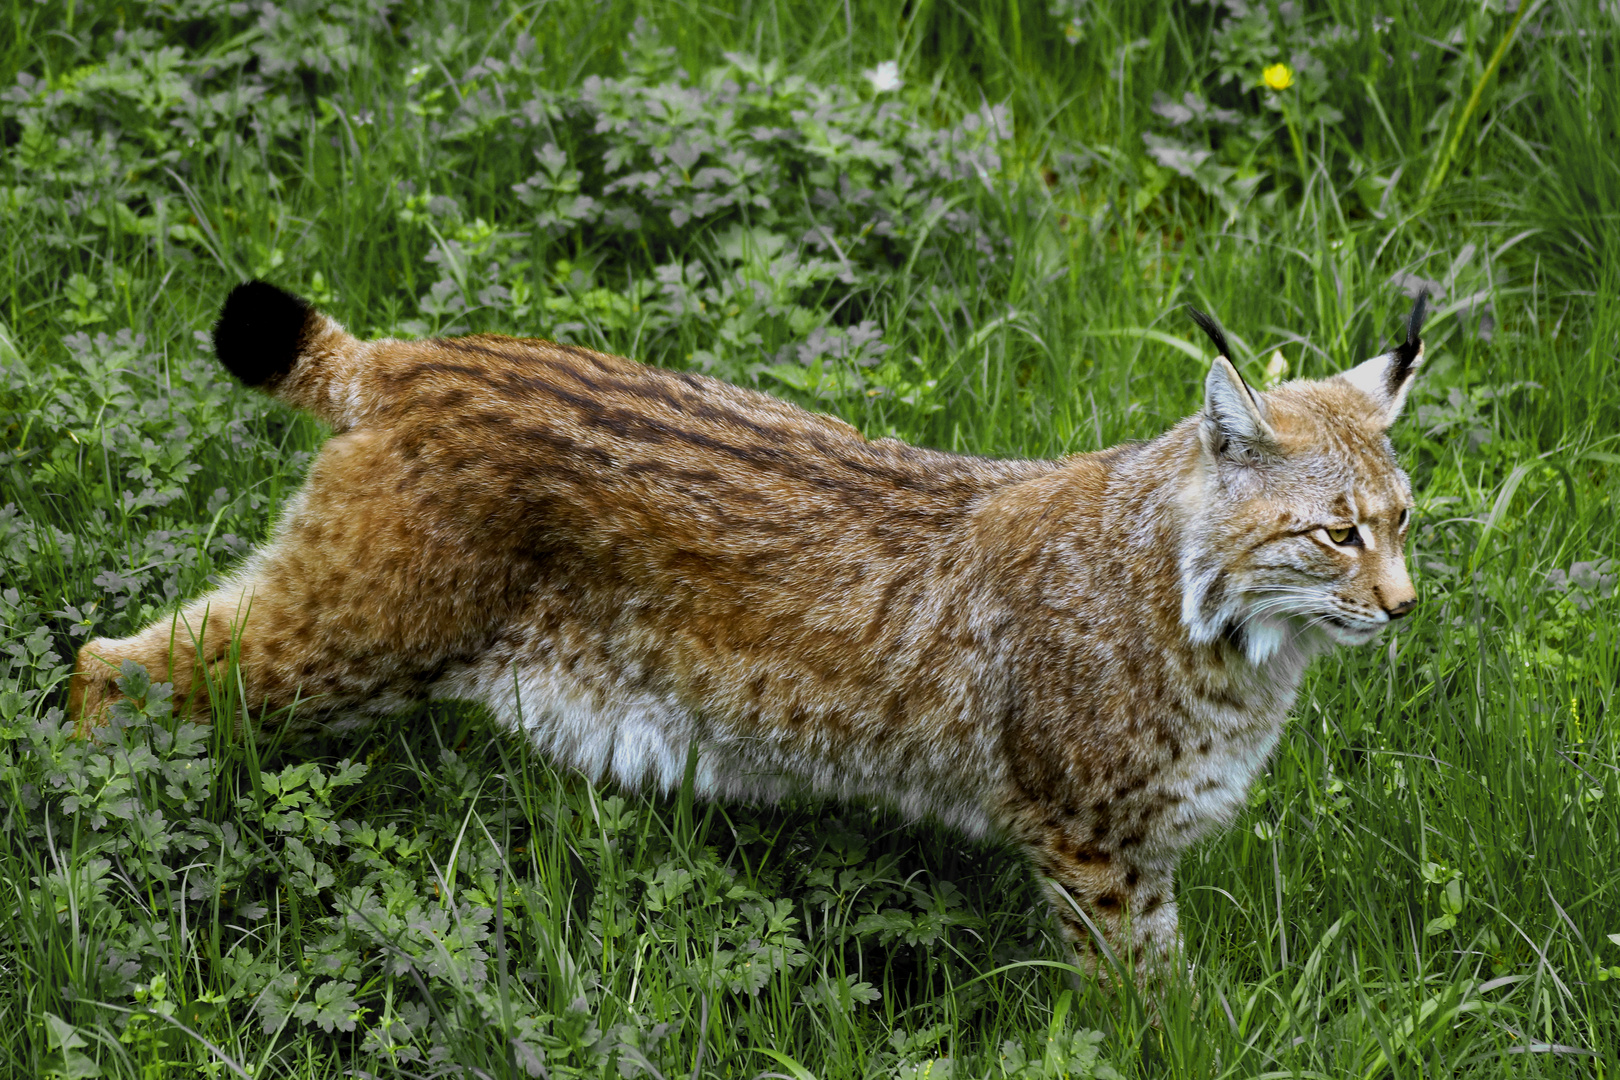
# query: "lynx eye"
1347 536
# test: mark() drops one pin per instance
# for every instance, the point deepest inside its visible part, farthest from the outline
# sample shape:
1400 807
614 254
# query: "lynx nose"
1401 608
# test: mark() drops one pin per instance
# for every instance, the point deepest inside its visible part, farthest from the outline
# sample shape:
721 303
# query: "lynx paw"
94 687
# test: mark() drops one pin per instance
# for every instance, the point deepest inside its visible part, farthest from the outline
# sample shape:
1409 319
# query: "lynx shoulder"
1090 658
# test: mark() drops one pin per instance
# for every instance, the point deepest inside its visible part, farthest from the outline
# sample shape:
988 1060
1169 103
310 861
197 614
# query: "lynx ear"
1386 379
1234 416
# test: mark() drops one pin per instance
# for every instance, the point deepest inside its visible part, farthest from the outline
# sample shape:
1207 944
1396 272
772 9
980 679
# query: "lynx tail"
281 345
261 332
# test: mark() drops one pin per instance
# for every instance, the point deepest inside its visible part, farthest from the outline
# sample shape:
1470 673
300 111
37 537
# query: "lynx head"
1297 509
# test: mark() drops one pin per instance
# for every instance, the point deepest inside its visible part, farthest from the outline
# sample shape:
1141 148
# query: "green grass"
1425 882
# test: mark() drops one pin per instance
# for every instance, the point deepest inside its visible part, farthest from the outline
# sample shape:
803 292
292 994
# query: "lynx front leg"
1129 898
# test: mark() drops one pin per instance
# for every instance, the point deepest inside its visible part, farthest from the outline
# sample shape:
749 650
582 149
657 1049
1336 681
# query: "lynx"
1090 658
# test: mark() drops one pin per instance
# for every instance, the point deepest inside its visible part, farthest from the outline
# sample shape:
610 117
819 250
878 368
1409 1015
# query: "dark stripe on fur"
768 453
693 405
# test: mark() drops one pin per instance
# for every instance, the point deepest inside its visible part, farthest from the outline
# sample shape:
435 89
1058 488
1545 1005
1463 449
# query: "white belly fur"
640 740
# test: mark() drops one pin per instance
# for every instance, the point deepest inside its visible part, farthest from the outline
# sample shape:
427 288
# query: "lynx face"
1090 658
1304 510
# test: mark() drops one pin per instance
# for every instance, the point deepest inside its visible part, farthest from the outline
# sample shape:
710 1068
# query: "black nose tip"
1401 608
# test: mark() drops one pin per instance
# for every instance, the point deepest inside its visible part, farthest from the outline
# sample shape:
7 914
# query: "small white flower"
884 77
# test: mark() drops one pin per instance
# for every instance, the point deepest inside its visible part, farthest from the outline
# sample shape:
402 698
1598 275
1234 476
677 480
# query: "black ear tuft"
1210 326
260 333
1407 352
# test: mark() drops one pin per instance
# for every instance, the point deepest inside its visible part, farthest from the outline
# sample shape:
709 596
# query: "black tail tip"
260 332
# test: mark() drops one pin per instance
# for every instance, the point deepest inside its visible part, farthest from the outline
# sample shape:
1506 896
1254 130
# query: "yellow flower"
1279 76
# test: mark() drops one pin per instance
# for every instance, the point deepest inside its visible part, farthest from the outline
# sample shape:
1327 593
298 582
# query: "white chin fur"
1264 638
1284 638
1345 635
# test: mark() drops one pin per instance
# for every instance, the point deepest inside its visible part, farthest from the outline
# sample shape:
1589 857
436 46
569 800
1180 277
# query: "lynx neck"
1093 553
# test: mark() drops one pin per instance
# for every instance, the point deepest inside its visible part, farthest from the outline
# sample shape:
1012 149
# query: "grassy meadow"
974 224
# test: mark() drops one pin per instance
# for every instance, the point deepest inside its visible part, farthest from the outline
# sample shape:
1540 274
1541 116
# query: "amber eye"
1339 536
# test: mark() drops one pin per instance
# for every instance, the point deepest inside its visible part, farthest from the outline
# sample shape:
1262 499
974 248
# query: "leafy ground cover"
972 225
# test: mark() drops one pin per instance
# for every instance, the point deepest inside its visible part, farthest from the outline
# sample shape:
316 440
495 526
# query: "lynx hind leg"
299 645
172 649
1128 898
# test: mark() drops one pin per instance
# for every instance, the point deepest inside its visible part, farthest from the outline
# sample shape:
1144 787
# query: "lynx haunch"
1090 658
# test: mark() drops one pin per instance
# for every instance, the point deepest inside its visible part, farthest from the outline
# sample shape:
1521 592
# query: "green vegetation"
990 257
